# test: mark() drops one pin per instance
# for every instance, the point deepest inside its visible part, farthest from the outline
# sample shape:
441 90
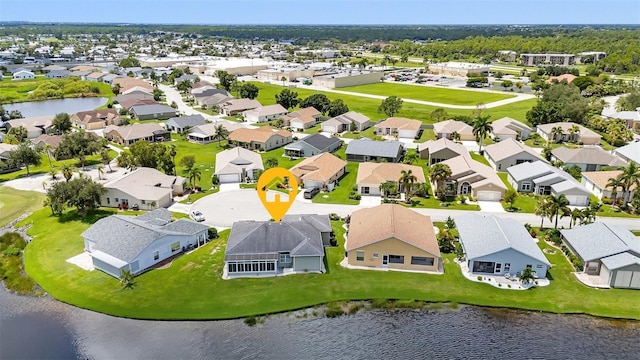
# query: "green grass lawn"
20 91
340 194
479 158
524 202
14 203
192 287
205 155
428 93
434 203
369 107
427 134
278 154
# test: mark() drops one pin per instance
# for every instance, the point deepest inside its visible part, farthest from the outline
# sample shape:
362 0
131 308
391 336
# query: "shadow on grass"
90 218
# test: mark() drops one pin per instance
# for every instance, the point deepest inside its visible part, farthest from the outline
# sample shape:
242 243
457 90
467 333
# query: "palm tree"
455 136
221 133
558 204
387 188
194 175
557 131
53 172
630 176
106 158
271 163
481 128
47 149
439 172
67 171
407 179
542 209
614 184
573 130
173 152
576 215
411 158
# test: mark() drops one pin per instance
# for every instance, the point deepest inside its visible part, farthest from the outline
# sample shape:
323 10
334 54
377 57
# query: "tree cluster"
560 102
82 193
78 145
143 154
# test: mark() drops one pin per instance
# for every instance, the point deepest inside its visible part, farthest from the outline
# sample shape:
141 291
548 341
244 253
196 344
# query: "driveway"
491 206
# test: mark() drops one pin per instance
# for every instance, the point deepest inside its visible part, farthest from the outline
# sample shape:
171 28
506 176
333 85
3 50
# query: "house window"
529 266
499 166
375 256
175 246
422 260
359 255
285 258
539 266
143 202
507 267
108 201
526 186
271 266
232 267
156 255
116 200
396 259
365 190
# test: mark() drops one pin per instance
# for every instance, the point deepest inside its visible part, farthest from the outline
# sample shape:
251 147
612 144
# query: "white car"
197 215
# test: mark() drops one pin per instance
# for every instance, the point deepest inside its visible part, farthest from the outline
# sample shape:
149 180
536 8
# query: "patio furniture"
507 276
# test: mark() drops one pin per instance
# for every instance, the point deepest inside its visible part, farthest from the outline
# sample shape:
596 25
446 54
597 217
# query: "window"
422 260
271 266
396 259
529 266
156 255
365 190
539 266
108 201
232 267
116 200
526 186
499 166
285 258
507 267
143 202
175 246
360 255
375 256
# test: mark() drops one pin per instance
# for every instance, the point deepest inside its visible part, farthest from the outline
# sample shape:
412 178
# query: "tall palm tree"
407 179
387 188
221 133
173 152
481 128
556 133
542 209
630 176
411 158
573 130
558 205
194 175
576 215
614 184
67 171
439 172
100 171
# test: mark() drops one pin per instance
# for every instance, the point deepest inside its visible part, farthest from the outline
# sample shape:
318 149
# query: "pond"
52 107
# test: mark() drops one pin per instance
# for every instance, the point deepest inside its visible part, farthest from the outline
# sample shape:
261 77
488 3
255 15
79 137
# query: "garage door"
229 178
329 129
489 195
578 200
627 279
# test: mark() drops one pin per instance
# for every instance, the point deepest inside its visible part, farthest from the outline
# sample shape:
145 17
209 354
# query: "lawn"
205 155
479 158
434 203
427 134
428 93
14 203
524 202
369 107
340 194
192 287
278 154
20 91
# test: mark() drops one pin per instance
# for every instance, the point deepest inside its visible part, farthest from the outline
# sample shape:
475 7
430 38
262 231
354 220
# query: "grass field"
20 91
14 203
428 93
192 287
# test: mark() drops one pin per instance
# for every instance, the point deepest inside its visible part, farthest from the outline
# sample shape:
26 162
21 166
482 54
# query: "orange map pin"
277 189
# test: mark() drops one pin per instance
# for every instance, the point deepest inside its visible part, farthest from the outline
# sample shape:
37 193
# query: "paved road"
222 209
172 95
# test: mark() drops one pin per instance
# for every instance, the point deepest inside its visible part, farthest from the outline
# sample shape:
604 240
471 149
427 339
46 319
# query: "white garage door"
329 129
578 200
229 178
623 279
489 195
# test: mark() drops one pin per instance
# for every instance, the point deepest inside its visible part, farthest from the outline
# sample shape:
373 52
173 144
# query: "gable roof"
464 168
145 183
209 129
630 151
321 167
261 134
565 126
601 178
587 155
507 148
152 109
508 126
236 159
135 131
374 148
599 240
320 222
487 235
371 225
440 144
450 126
399 123
377 173
347 118
626 115
267 110
320 141
52 140
93 116
240 104
530 170
184 121
568 77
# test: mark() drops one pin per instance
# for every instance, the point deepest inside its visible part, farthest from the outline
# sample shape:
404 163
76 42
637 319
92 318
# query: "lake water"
33 328
52 107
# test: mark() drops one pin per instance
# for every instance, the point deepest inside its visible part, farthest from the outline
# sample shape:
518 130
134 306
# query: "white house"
148 188
23 75
237 165
264 113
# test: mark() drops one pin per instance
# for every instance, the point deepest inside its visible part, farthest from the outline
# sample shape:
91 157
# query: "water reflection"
52 107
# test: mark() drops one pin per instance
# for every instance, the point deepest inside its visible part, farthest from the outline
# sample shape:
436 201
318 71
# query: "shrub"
213 233
334 217
607 201
479 278
12 251
251 320
333 311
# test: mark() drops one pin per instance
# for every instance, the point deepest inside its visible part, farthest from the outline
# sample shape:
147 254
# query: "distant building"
458 69
351 78
507 55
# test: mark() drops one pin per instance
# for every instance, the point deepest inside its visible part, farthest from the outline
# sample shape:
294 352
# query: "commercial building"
458 69
350 78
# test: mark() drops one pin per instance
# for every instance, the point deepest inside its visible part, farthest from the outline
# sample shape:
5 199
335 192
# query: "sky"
343 12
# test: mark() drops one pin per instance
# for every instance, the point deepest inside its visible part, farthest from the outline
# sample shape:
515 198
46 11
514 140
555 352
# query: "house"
108 79
629 152
49 68
319 222
368 150
235 106
128 103
127 83
180 124
302 119
188 77
35 126
509 152
267 248
321 171
149 112
508 128
136 243
372 175
127 135
51 141
264 113
581 134
146 187
447 129
83 68
469 177
237 165
596 183
96 119
206 133
262 139
541 178
610 254
5 164
436 151
390 236
137 90
631 118
23 75
82 75
95 76
399 127
342 123
590 158
499 246
58 74
213 101
312 145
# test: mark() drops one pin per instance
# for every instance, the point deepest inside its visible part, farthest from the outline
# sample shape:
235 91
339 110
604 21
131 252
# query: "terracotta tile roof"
92 116
321 167
135 131
400 123
371 225
377 173
587 155
261 134
568 77
601 178
450 126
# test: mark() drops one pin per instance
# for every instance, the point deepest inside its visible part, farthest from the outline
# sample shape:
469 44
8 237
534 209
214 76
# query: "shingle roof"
620 261
347 118
487 235
320 222
92 116
145 183
630 151
184 121
209 129
450 126
236 159
626 115
399 123
260 135
368 226
267 110
507 148
377 173
599 240
442 143
320 141
374 148
135 131
321 167
152 109
464 168
587 155
508 126
240 104
565 126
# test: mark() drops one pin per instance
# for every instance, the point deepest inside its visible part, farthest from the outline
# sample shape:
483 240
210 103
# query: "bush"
251 320
607 201
333 311
479 278
334 217
213 233
12 251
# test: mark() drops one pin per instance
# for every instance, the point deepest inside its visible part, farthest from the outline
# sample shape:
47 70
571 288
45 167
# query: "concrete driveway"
491 206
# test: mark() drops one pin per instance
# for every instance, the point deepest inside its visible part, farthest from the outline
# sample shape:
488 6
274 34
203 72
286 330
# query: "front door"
385 261
498 269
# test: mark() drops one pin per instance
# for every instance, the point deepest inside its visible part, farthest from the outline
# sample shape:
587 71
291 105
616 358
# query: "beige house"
393 237
446 129
436 151
507 127
235 106
596 183
344 122
96 119
35 126
148 188
469 177
320 171
302 119
509 152
583 135
397 126
372 175
262 138
127 135
264 113
237 165
206 133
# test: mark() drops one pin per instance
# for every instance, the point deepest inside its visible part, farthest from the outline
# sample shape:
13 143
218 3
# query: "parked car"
310 193
197 215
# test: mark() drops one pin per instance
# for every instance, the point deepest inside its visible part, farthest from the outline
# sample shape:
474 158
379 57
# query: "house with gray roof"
498 246
590 158
509 152
365 150
150 112
237 165
267 248
146 187
136 243
312 145
189 77
180 124
58 74
541 178
630 152
610 254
